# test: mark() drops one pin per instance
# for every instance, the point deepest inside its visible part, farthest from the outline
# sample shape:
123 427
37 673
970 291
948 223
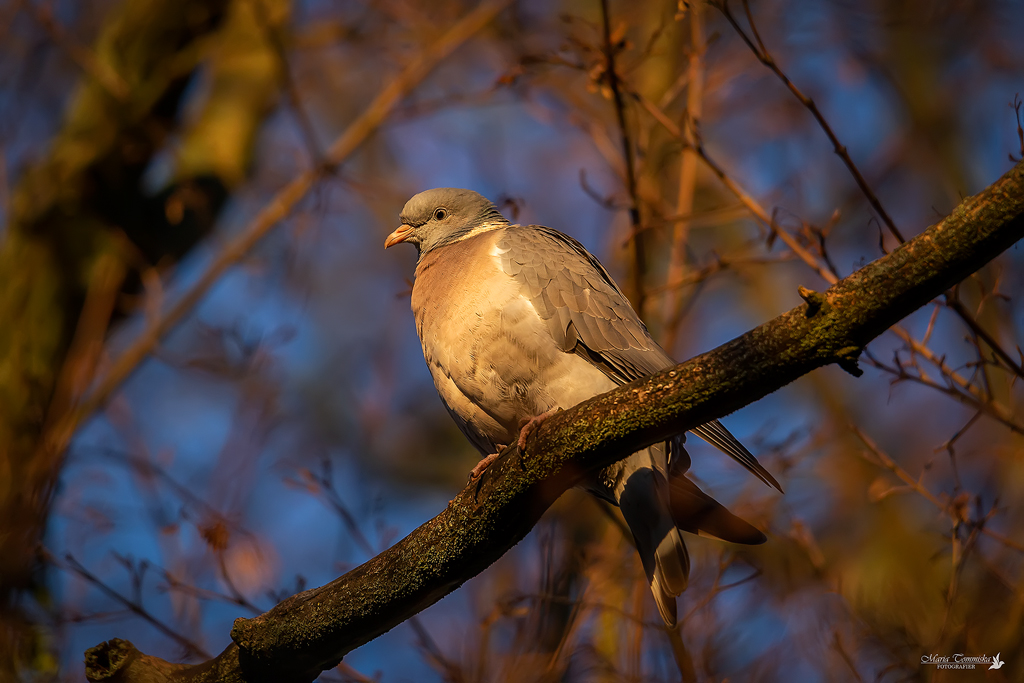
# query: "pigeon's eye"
440 214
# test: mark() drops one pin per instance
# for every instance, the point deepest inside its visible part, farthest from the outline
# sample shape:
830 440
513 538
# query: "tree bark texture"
313 630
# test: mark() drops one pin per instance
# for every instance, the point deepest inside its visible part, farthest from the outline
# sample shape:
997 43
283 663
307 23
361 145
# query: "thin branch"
674 300
717 265
912 482
746 199
1008 542
639 255
997 348
968 393
995 409
325 483
100 71
133 605
279 208
703 219
291 89
948 507
1016 106
765 57
837 645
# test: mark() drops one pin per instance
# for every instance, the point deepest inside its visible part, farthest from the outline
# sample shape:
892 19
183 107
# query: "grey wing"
586 313
584 310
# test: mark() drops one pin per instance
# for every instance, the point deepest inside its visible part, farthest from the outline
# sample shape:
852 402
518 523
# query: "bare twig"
354 674
325 483
1008 542
177 585
1016 106
957 306
291 88
100 71
885 461
765 57
709 218
452 672
674 300
717 265
639 255
948 507
133 605
83 357
967 393
837 644
275 211
975 396
746 199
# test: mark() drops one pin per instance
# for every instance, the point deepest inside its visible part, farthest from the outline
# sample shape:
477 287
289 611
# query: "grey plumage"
518 320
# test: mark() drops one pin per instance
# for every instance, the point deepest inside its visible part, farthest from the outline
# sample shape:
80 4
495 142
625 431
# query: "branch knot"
815 300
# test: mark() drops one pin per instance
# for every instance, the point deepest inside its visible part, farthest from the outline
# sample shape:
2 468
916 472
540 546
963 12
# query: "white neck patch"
482 228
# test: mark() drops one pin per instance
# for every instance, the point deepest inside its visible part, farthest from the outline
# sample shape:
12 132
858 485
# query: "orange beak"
400 234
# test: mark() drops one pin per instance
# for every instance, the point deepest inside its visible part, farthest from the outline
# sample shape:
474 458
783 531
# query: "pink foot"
482 465
527 427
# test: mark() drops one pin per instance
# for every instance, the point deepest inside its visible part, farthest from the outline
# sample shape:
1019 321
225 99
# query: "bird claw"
482 465
528 427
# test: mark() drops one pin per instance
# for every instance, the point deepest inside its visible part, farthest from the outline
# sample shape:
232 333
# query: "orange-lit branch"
313 630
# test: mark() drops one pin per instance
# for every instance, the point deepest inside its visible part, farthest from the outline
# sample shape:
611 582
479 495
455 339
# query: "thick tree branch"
311 631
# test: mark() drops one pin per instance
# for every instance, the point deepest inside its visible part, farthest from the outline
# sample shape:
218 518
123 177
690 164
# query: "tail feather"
657 509
698 513
644 502
717 435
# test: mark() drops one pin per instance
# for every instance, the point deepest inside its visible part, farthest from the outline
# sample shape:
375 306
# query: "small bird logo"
996 664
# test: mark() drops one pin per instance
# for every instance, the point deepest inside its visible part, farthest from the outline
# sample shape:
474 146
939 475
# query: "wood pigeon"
519 321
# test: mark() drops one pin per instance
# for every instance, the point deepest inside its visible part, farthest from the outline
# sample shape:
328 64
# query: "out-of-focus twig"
354 674
948 507
957 307
716 265
974 395
101 71
276 210
745 198
639 255
958 386
1016 106
324 482
451 670
837 645
273 35
83 357
765 57
674 300
717 587
132 604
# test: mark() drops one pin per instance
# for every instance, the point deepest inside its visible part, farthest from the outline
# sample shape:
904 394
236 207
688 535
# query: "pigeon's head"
444 215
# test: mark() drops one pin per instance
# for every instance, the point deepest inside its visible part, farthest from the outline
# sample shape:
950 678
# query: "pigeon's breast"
493 359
